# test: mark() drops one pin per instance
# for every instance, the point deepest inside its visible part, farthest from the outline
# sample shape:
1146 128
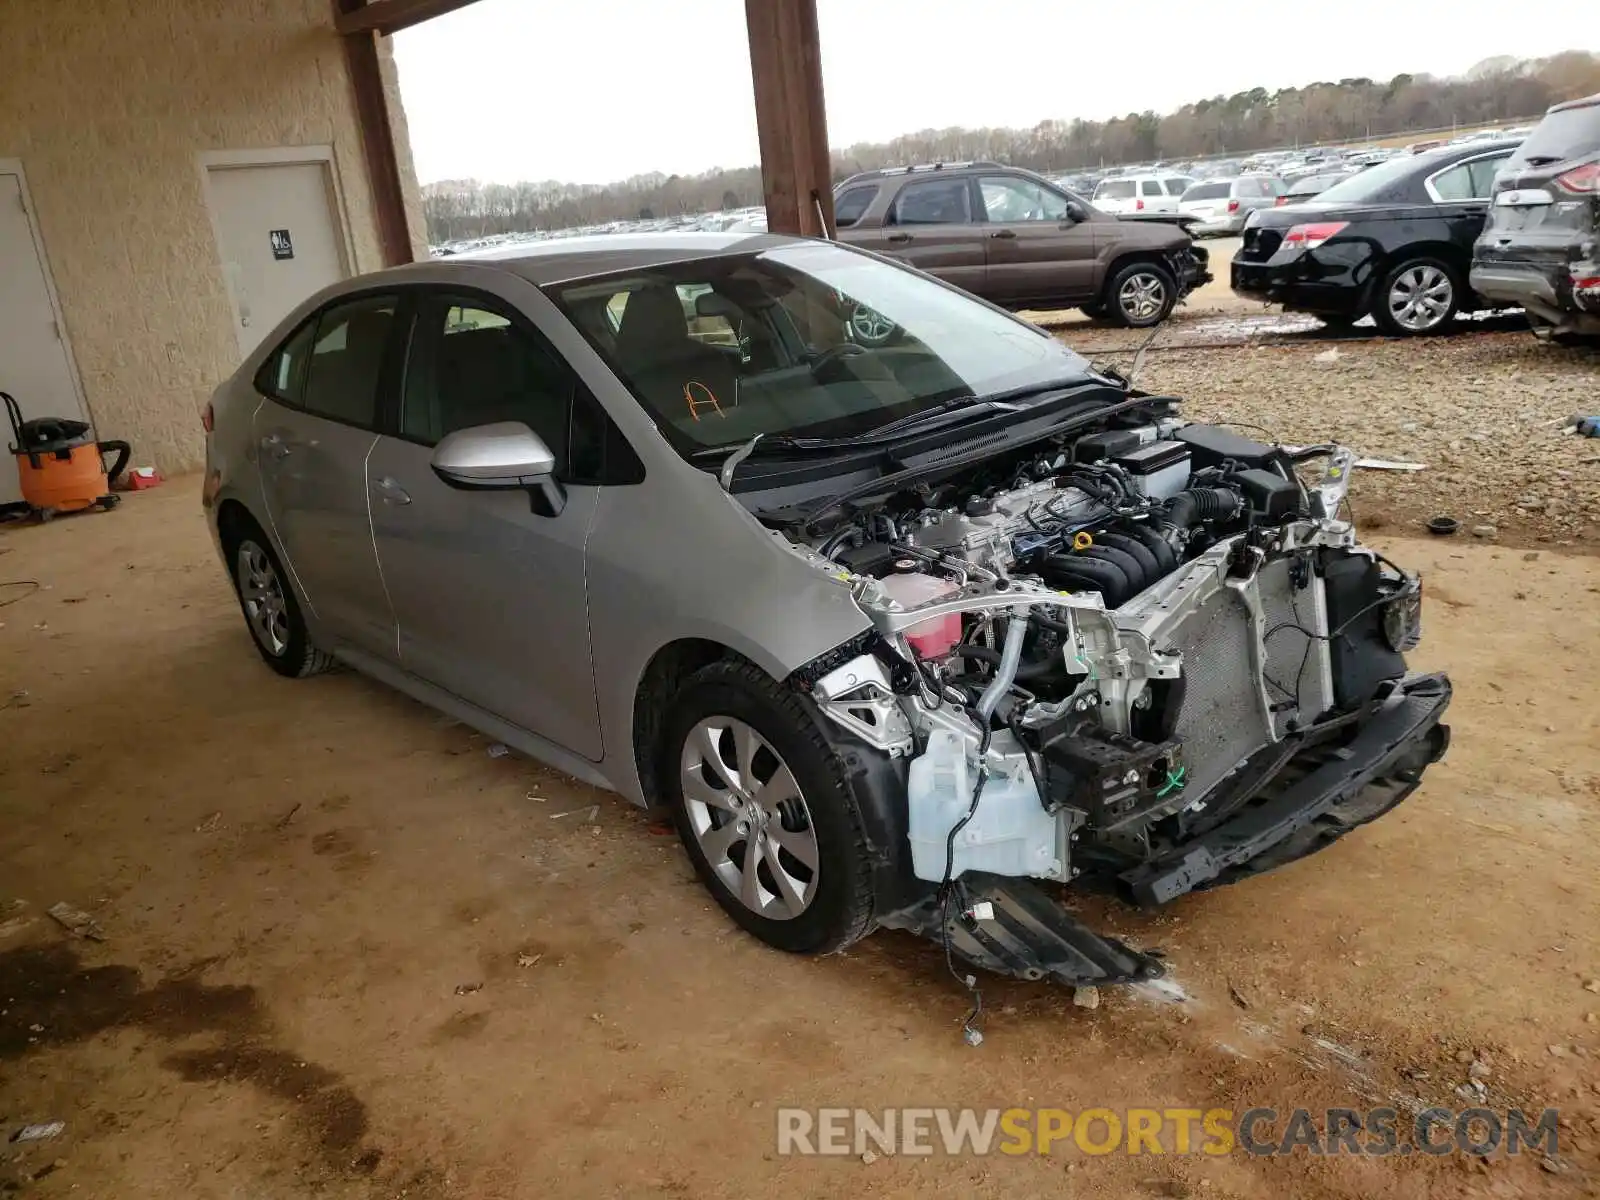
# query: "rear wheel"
1141 295
1416 298
765 811
270 609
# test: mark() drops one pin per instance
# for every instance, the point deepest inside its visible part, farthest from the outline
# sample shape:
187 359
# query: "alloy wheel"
870 328
1420 298
262 593
747 815
1142 295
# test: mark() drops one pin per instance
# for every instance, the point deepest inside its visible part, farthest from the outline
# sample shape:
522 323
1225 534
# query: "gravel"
1482 410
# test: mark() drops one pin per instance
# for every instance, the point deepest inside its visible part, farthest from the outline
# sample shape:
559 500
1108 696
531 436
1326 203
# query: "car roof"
566 259
1467 149
1585 102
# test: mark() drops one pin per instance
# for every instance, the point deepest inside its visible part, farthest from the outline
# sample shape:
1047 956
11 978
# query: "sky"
590 91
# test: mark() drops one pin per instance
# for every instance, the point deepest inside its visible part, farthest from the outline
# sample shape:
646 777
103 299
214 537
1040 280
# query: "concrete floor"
349 953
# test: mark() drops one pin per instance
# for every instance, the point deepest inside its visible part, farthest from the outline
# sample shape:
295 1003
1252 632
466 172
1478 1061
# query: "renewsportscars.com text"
1374 1132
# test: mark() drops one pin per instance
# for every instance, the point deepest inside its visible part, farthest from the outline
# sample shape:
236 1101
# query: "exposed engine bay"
1138 660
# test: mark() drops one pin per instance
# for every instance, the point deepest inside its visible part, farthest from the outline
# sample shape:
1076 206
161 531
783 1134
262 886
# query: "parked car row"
1469 226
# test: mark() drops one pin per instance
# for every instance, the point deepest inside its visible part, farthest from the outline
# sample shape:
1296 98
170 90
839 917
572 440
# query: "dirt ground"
348 953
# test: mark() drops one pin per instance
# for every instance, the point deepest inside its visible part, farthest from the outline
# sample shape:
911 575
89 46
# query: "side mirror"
506 454
1077 211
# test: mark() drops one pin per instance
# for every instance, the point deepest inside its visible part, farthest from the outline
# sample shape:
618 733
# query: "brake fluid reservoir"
1009 834
937 636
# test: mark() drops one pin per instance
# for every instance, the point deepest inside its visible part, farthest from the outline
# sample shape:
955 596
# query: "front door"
1036 251
313 436
489 594
930 226
33 358
278 239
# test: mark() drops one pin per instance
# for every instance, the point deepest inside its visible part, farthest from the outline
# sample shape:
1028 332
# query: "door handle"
390 491
899 237
274 447
1004 233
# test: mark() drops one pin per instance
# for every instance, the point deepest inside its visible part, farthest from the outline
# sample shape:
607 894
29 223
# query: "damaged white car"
913 630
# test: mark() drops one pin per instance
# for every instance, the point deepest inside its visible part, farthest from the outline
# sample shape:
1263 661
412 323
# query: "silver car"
1222 206
898 631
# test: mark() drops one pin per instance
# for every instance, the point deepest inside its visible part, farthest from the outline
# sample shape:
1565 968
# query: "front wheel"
1141 295
1416 298
765 811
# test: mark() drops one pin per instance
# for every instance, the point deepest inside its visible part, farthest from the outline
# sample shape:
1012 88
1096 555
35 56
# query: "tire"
260 580
1435 289
1140 295
722 714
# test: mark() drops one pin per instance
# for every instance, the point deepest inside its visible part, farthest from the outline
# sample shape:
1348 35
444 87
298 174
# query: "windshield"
1573 133
809 340
1208 191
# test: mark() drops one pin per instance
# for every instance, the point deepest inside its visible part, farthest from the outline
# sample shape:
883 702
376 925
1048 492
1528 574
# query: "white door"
33 359
279 240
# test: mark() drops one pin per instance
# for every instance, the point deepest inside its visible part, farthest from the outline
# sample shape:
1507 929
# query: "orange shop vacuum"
60 465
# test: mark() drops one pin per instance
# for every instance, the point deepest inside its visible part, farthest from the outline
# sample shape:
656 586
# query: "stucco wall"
109 105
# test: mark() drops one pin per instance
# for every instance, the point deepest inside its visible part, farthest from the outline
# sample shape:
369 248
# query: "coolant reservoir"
937 636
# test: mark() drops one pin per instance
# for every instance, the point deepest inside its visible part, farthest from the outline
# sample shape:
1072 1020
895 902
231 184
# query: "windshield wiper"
946 412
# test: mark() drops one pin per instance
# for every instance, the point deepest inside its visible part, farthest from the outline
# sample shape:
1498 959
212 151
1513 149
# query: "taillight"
1233 206
206 421
1309 237
1584 180
1138 205
1280 202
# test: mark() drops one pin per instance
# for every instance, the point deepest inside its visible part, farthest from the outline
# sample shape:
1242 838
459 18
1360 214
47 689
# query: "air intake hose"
1200 504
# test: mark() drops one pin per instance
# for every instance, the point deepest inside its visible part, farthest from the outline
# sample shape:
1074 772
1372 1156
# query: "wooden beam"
388 16
377 141
791 124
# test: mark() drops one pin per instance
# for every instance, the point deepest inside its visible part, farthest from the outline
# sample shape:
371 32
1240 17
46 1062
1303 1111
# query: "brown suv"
1018 241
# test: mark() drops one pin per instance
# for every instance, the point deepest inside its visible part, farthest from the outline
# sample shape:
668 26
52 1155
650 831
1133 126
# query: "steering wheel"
835 354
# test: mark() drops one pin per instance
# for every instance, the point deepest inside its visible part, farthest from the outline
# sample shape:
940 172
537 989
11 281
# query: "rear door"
1461 193
1547 197
489 595
931 225
323 390
1036 251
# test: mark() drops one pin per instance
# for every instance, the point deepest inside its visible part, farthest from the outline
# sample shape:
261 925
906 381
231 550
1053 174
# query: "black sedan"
1394 241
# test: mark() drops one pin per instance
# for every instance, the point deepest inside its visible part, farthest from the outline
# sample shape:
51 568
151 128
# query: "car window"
1467 181
283 375
1483 172
1114 189
1177 185
1207 191
346 360
852 205
1149 187
471 365
1006 199
933 202
1561 136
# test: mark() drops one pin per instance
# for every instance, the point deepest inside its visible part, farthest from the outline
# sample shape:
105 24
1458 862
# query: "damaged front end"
1147 671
